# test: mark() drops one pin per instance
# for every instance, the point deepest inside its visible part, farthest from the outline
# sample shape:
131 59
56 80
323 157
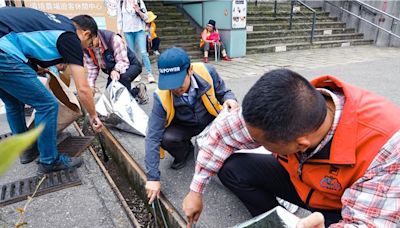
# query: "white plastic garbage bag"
276 217
117 108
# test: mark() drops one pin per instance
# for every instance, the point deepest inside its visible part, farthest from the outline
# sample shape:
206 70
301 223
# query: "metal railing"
275 5
314 16
375 11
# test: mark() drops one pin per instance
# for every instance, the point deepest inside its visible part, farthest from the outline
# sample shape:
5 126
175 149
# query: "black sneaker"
63 162
29 155
180 164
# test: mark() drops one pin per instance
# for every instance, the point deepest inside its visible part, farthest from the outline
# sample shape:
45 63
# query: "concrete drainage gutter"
137 179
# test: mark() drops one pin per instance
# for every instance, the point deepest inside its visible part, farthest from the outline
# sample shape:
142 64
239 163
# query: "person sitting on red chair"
209 38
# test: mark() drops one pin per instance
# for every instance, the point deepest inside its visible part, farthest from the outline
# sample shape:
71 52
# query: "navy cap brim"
171 81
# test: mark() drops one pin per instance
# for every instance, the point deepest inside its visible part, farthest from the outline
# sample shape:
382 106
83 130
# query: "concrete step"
307 45
195 55
306 25
170 16
161 8
174 29
266 2
188 45
261 20
167 31
169 23
278 8
184 38
303 10
283 13
302 39
295 32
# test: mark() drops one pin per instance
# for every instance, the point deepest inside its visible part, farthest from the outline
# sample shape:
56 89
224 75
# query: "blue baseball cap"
172 66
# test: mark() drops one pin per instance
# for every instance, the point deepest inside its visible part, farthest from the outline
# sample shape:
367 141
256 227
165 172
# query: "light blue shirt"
190 96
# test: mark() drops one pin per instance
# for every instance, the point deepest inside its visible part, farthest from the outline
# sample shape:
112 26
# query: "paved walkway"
92 204
256 65
362 65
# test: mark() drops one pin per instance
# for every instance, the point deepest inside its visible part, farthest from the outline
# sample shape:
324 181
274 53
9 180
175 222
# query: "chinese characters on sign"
96 8
68 8
239 12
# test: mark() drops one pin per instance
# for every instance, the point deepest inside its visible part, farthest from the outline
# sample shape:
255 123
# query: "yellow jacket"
209 99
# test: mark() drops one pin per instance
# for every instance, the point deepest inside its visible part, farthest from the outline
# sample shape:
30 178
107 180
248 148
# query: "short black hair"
86 22
284 105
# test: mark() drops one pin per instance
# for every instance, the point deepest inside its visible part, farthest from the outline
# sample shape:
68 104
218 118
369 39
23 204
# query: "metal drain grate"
73 146
4 136
19 190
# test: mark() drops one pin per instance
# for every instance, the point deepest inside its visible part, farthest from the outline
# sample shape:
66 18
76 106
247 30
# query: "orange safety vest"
209 99
367 122
152 31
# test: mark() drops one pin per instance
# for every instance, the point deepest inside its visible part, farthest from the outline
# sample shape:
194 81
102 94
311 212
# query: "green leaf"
13 146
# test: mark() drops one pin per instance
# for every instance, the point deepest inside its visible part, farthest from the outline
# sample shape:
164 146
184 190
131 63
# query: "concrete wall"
195 11
220 11
370 32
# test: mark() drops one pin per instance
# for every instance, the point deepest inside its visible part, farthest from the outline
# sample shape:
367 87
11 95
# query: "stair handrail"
376 9
313 19
275 5
381 12
365 20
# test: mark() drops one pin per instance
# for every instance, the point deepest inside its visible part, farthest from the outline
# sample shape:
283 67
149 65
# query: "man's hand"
315 220
85 95
41 71
192 206
97 125
115 75
231 104
153 189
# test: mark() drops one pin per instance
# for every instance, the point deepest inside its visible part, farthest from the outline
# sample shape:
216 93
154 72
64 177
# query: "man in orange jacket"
336 152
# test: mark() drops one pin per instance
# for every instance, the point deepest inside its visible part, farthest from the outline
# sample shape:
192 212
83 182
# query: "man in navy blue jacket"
190 96
31 38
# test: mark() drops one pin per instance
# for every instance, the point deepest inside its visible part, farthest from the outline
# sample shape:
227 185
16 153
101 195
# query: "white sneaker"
138 79
156 52
150 78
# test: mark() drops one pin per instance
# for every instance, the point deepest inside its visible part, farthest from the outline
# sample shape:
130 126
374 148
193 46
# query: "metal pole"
341 12
378 30
154 214
275 6
162 214
313 27
391 29
291 14
359 20
103 148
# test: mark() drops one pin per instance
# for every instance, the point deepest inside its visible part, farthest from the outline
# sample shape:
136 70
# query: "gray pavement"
94 205
376 69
